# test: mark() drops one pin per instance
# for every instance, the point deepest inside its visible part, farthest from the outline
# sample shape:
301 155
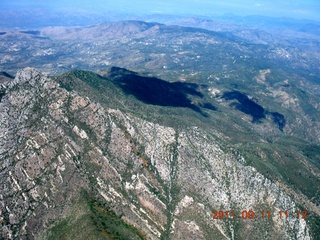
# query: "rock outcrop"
162 181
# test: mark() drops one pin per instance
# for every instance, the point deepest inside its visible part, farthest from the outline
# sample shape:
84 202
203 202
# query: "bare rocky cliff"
64 160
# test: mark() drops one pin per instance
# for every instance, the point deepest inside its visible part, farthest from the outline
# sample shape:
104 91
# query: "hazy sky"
301 9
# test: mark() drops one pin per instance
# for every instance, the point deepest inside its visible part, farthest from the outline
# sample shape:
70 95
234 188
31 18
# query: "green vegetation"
314 222
90 218
279 162
110 225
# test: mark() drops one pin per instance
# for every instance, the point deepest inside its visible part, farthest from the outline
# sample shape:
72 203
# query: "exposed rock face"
162 181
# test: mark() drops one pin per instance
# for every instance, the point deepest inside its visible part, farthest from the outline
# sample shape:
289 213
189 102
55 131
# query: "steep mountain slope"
76 162
272 141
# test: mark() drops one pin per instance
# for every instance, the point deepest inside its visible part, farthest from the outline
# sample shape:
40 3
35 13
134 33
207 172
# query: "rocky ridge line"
163 181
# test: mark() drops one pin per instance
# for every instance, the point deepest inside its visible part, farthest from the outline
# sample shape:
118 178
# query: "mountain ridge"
138 169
